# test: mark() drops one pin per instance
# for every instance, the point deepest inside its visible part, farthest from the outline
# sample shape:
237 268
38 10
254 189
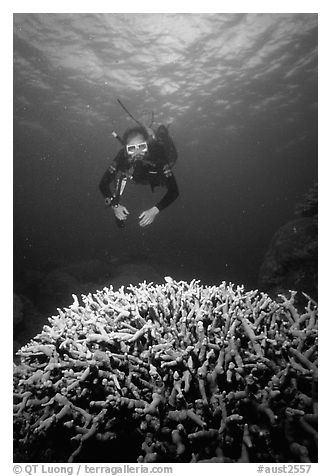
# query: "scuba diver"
145 158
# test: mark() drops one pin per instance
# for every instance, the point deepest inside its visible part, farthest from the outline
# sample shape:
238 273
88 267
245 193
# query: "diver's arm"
109 177
171 193
105 182
120 211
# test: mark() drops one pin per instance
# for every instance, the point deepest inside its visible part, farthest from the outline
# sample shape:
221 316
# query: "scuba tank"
163 137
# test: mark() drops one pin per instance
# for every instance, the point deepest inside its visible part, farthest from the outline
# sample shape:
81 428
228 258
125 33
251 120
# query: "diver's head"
136 143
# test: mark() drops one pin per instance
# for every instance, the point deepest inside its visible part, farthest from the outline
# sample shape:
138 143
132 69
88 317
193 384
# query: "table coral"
177 372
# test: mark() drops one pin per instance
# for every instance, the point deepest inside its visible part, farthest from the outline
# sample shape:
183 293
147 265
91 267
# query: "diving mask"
139 149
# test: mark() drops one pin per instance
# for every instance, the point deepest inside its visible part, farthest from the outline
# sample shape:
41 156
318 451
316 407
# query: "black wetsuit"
153 170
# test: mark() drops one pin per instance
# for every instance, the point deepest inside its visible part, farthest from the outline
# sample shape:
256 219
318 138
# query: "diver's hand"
147 217
120 212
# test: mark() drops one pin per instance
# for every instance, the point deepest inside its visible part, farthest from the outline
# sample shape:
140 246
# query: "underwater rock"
23 311
176 372
57 285
17 310
291 261
27 321
88 271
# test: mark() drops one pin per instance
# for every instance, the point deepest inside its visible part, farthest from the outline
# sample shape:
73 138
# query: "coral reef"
176 372
291 259
41 292
38 294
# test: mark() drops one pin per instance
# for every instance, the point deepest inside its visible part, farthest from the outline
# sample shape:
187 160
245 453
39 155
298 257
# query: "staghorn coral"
173 372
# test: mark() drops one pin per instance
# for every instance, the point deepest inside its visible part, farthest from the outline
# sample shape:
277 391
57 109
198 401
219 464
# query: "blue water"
240 93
